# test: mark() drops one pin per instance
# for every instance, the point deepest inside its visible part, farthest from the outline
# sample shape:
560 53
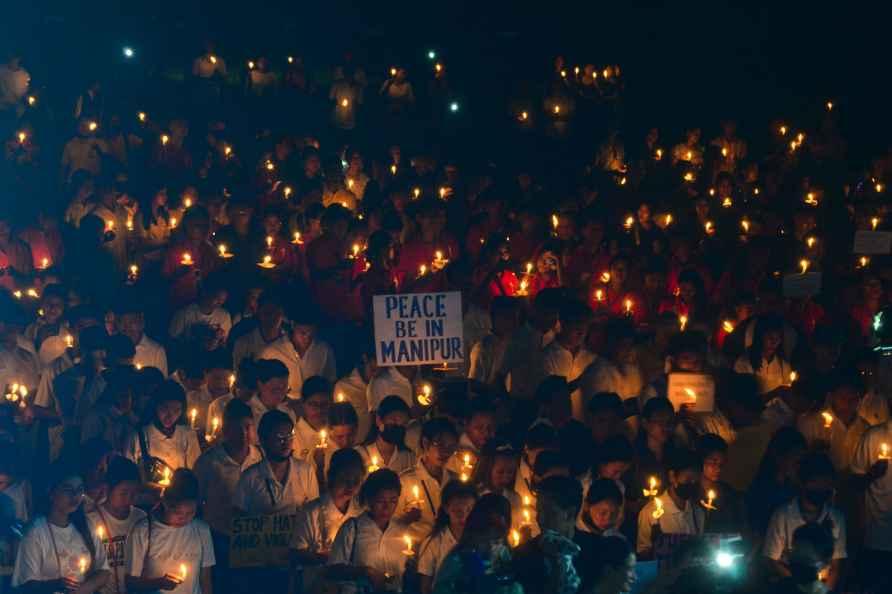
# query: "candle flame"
828 419
682 321
728 326
82 565
184 571
340 397
793 376
874 222
165 139
630 220
745 224
658 511
515 537
810 242
803 265
599 295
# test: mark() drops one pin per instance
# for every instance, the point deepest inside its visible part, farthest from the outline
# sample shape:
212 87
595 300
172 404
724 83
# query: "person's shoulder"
252 472
408 474
312 506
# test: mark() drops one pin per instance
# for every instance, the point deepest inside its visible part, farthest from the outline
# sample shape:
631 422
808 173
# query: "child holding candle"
171 550
480 428
727 513
386 447
341 434
457 502
114 519
316 399
60 552
370 547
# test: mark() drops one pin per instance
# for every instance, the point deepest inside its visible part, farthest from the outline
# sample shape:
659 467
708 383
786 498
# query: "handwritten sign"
418 329
802 285
872 242
261 541
694 389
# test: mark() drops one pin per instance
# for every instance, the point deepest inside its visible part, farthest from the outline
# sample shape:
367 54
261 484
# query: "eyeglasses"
282 438
446 448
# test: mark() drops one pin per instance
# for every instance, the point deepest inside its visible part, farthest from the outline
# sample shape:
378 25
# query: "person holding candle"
243 387
186 277
302 352
49 330
617 370
216 369
280 483
480 428
268 322
680 512
164 439
386 446
372 548
340 434
316 400
438 443
458 500
114 519
763 358
496 472
812 505
130 321
171 550
728 516
318 522
272 390
208 310
354 388
60 552
655 443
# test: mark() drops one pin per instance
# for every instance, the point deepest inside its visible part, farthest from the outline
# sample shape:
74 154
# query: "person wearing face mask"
386 446
170 538
318 522
680 513
816 479
458 501
423 484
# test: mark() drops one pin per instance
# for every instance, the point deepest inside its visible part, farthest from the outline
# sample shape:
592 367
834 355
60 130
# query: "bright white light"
432 55
453 107
128 52
724 560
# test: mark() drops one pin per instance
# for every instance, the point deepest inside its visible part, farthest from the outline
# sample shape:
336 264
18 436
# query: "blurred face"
278 444
240 433
604 514
131 325
480 429
619 271
458 509
197 230
272 225
273 392
626 353
770 342
270 317
572 335
169 413
347 485
685 480
122 497
437 451
619 579
383 505
315 407
712 466
644 214
844 401
660 426
68 495
694 136
218 382
53 307
604 424
302 336
180 513
551 516
687 291
503 472
614 470
343 436
312 166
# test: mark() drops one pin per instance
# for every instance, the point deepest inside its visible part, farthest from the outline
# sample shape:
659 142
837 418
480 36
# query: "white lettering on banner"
418 329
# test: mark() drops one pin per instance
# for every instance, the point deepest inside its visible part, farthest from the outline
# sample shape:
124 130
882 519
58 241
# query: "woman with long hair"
763 358
456 503
496 472
60 552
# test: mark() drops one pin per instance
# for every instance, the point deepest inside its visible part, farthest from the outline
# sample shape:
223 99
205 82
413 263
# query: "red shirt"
416 252
185 279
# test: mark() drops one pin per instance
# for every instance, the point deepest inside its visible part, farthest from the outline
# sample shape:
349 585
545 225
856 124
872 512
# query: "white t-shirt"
399 462
843 439
429 491
189 316
360 543
161 552
49 553
690 520
878 497
259 409
248 347
524 361
150 354
305 440
259 492
487 359
433 551
115 535
771 375
180 450
784 522
390 383
218 477
318 360
355 391
318 522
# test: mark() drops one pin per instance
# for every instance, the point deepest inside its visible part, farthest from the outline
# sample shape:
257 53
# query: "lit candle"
443 192
267 262
250 64
187 259
345 103
323 439
269 241
811 199
724 152
884 451
828 419
463 477
193 416
467 460
688 156
874 221
100 532
554 223
527 518
212 58
393 71
393 169
184 571
22 137
287 192
422 270
728 326
164 139
173 222
416 192
692 395
69 341
231 380
688 177
605 277
32 100
227 151
659 154
863 261
682 322
515 538
709 228
215 424
652 491
141 116
710 498
297 240
187 202
44 263
82 565
810 242
745 224
878 187
793 376
803 265
829 106
523 288
783 130
93 126
416 495
557 109
223 253
373 467
726 202
270 166
165 477
668 219
524 116
424 398
340 397
599 295
630 220
628 306
658 511
408 552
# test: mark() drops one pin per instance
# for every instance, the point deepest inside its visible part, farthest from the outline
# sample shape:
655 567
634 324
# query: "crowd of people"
673 374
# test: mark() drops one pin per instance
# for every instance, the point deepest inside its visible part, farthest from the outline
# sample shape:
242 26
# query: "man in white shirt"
18 362
280 483
870 466
219 468
523 359
272 388
270 316
816 478
844 427
675 511
303 354
488 355
394 381
84 152
130 322
315 402
567 356
209 311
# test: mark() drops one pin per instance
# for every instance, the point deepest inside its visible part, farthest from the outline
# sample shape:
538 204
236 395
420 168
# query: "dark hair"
119 347
169 391
606 402
391 404
710 443
343 461
481 517
479 406
437 426
453 490
603 490
121 470
267 369
845 378
814 465
540 436
314 385
818 536
59 472
655 405
610 553
784 441
217 359
615 449
504 306
92 338
270 420
764 324
681 459
574 312
183 487
549 460
54 290
342 413
235 411
563 491
383 479
482 475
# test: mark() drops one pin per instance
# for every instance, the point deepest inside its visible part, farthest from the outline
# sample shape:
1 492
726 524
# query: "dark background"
683 62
